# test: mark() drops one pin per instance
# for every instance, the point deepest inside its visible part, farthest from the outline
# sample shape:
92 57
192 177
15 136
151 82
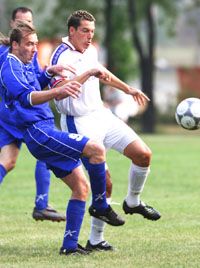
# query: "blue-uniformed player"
61 151
11 139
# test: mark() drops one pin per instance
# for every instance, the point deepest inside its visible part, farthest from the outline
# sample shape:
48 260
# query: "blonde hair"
4 40
21 29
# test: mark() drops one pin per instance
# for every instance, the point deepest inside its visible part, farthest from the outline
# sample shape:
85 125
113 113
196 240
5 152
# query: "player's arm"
78 78
19 89
47 74
115 82
69 89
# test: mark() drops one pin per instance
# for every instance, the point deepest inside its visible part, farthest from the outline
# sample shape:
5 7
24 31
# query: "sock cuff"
108 199
96 167
141 169
76 204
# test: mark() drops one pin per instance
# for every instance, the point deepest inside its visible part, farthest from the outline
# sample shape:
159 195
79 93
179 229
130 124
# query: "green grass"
173 187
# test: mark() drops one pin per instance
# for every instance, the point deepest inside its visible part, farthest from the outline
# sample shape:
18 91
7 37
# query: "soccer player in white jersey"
87 115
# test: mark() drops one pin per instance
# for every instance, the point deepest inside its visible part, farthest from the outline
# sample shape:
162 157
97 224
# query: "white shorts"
101 126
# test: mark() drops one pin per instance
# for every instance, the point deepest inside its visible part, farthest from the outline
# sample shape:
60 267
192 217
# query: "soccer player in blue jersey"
61 151
11 139
78 115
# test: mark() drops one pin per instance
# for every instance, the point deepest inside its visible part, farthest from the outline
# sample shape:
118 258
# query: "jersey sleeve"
15 82
59 57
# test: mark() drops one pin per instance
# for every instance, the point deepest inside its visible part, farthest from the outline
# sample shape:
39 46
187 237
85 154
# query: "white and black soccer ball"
188 113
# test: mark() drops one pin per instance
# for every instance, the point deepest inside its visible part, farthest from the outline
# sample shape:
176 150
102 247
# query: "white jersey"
90 98
87 114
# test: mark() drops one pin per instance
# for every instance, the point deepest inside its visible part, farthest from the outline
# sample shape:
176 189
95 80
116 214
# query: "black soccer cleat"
78 251
48 213
102 246
108 215
143 209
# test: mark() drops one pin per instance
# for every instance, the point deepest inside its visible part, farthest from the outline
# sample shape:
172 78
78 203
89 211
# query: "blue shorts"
6 138
61 151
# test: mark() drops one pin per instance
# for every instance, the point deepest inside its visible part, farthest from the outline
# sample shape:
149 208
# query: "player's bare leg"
140 155
8 156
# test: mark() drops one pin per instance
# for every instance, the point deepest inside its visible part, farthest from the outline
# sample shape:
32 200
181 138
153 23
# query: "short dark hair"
21 30
20 9
76 17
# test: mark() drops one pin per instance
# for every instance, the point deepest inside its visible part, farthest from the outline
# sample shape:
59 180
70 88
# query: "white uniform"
87 114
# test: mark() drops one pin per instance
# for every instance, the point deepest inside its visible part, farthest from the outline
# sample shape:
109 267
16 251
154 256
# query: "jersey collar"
11 55
66 41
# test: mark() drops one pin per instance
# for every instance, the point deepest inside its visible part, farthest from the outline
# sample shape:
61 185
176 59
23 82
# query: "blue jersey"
18 80
7 121
3 53
61 151
4 50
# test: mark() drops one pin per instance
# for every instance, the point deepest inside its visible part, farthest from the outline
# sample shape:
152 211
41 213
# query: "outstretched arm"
115 82
97 72
69 89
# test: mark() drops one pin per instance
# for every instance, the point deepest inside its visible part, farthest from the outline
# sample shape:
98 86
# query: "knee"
97 153
146 158
143 159
9 164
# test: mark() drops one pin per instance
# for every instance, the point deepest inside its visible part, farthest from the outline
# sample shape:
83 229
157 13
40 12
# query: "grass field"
173 187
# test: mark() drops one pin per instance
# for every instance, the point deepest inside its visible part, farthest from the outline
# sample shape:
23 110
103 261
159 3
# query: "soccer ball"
188 113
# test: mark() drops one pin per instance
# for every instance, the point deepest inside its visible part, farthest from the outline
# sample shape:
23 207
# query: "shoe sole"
100 249
41 218
105 219
146 217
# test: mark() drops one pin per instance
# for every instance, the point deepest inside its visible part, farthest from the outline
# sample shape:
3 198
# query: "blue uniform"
59 150
9 133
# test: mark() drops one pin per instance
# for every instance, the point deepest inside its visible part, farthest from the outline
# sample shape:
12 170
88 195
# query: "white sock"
137 179
97 229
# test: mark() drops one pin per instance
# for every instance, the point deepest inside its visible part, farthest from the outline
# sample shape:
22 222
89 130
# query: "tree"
57 23
120 56
143 11
146 59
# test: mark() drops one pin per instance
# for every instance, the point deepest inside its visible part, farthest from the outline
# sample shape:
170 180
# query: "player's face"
27 16
27 47
82 37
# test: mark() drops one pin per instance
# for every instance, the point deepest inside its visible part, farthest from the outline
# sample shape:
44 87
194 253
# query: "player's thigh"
56 148
119 135
92 125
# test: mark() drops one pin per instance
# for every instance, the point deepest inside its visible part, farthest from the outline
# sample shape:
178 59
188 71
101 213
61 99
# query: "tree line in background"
126 28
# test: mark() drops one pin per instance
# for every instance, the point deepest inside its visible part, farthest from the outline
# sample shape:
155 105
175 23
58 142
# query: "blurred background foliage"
127 32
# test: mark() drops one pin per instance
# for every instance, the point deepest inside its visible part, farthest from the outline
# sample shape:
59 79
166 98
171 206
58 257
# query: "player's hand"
138 96
71 89
60 70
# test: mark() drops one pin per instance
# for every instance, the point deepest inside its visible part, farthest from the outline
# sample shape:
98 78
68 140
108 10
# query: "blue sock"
42 179
3 173
97 176
74 214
